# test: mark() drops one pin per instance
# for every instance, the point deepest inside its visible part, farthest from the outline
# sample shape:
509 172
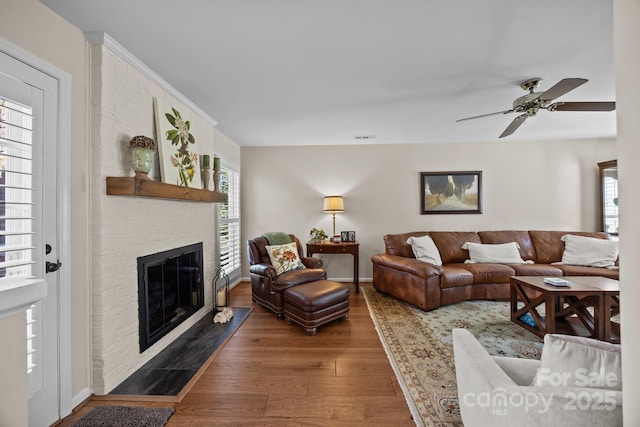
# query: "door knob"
52 266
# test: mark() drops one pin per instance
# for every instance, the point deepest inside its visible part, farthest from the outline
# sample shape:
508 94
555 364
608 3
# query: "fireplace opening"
170 289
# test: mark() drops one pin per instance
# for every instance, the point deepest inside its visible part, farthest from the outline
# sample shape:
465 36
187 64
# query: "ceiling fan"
530 103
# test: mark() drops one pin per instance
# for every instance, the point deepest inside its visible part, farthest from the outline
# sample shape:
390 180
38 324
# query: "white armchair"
496 391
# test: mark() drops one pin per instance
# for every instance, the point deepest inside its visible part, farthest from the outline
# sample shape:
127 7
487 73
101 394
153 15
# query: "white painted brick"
125 228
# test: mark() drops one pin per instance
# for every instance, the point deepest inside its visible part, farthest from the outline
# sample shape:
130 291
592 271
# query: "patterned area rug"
419 345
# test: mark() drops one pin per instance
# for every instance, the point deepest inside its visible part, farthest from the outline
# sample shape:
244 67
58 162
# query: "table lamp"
333 205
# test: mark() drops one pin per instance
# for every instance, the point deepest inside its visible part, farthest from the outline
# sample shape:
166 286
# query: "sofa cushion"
454 276
589 251
450 243
579 270
537 270
489 273
521 237
549 247
285 257
570 361
498 253
425 250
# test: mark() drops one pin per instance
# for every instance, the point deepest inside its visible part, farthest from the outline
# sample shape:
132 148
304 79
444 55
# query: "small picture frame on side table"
348 236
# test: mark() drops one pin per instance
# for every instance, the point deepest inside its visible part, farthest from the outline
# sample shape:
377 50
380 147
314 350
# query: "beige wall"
525 185
225 147
34 28
627 57
13 368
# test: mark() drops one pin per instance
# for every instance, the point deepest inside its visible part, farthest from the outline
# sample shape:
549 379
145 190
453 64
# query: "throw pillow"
589 251
285 257
500 253
569 361
425 249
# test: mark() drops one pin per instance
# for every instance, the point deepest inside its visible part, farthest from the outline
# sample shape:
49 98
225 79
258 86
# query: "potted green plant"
317 235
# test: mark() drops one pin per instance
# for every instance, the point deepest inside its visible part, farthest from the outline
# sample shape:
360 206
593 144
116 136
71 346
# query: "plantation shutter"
610 195
229 221
16 191
17 229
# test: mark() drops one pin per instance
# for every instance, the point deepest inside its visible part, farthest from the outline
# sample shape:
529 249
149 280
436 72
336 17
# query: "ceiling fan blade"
485 115
560 88
515 124
582 106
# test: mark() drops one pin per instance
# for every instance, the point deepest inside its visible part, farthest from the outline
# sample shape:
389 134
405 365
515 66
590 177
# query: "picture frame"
451 192
178 150
348 236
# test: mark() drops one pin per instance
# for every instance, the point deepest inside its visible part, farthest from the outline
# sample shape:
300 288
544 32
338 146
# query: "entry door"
28 220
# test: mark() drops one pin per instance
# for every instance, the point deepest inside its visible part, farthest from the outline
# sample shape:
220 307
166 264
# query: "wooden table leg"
604 318
550 310
356 273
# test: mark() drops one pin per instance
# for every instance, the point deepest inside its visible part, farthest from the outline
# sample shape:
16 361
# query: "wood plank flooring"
272 374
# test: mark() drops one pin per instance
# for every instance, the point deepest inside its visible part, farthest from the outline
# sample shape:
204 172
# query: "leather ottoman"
316 303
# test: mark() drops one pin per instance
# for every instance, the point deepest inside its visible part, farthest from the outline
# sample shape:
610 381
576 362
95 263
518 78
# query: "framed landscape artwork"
451 192
177 146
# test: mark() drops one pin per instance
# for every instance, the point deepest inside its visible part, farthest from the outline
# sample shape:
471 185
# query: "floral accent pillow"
285 257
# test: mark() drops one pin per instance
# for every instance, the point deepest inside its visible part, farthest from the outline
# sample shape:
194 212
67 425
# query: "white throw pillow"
285 257
425 249
501 253
569 361
589 251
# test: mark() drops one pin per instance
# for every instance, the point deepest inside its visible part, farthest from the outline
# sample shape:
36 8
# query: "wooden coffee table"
566 309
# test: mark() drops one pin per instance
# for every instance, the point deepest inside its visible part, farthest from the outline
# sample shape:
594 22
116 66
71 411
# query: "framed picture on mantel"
451 192
177 145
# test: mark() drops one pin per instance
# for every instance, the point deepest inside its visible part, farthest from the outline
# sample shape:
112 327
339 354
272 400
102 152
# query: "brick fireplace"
124 229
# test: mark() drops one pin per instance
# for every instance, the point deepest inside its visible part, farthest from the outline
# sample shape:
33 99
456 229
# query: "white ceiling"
301 72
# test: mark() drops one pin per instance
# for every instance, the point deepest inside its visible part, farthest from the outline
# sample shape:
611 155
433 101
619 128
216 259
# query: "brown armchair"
266 286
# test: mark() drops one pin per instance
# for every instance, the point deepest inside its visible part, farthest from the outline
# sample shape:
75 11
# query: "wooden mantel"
137 187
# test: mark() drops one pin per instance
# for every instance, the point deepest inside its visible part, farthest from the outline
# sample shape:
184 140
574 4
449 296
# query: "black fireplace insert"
170 289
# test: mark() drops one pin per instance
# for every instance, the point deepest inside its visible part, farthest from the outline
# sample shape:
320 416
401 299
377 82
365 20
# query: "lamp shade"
333 204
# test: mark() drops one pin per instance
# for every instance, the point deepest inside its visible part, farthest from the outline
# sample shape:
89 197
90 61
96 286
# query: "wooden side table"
328 247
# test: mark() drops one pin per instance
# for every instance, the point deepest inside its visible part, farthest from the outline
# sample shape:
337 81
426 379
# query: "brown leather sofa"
398 273
266 286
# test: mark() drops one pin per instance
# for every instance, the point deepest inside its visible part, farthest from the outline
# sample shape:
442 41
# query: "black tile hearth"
169 371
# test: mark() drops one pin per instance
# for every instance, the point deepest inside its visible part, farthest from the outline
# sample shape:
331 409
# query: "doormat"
125 416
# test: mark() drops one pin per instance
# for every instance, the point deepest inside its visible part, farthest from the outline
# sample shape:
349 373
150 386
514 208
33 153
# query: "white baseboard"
79 398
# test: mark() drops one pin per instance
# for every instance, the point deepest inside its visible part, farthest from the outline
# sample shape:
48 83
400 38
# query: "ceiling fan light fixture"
530 103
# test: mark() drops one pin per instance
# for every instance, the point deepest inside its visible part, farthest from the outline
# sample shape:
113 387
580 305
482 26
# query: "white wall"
525 185
627 57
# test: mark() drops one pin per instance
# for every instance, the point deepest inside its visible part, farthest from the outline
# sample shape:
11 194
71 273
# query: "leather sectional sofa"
398 273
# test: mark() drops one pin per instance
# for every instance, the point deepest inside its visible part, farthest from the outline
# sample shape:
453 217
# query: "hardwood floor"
272 374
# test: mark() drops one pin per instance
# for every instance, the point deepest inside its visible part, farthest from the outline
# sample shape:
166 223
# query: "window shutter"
16 191
229 221
17 218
